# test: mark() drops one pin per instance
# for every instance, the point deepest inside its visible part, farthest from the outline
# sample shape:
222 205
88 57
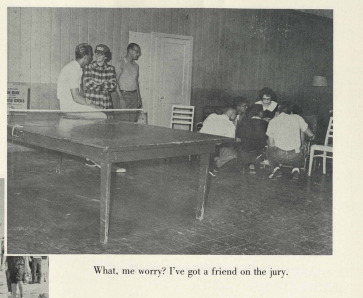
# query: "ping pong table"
112 141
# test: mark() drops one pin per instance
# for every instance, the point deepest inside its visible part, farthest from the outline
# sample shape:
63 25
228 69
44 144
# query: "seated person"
241 103
222 125
267 99
285 133
252 136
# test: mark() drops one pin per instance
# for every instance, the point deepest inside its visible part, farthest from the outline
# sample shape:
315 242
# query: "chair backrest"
182 117
329 133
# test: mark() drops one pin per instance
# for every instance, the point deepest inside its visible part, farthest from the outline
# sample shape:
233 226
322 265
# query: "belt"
128 91
286 151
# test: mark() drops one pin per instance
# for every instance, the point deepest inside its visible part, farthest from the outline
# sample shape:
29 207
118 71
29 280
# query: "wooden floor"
153 210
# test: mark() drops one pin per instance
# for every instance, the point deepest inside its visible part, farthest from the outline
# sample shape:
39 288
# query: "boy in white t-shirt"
285 133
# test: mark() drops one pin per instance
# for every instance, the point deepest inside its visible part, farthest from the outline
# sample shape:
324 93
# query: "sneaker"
212 173
252 169
276 173
115 169
295 174
265 162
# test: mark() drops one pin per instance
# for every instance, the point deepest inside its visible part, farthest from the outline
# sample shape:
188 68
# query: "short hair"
239 100
132 45
228 107
255 110
285 107
267 91
83 49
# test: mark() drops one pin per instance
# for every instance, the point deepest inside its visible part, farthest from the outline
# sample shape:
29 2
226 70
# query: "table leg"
203 184
105 201
58 169
12 163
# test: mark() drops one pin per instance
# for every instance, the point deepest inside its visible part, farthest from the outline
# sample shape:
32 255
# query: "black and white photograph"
24 277
3 287
170 131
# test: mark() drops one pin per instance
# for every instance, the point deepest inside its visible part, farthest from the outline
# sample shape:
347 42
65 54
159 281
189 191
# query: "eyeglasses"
266 98
137 51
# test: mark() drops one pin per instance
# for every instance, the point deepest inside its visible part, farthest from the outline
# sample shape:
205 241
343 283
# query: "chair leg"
311 161
324 163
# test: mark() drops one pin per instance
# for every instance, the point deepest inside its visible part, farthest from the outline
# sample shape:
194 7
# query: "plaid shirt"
98 82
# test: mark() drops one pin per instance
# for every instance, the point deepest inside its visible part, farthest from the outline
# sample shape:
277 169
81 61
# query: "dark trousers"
245 158
37 266
129 100
278 157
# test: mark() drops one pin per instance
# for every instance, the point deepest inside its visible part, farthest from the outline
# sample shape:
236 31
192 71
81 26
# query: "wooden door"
165 73
171 69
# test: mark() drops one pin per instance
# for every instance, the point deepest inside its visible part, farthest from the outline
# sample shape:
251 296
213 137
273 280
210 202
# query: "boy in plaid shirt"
99 78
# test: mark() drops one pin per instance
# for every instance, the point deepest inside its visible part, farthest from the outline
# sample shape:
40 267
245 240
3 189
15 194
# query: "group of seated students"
262 131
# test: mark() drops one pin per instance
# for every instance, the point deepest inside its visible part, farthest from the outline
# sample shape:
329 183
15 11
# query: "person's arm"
78 98
309 133
119 70
302 138
139 102
3 265
305 128
271 142
27 267
270 135
91 84
110 83
88 82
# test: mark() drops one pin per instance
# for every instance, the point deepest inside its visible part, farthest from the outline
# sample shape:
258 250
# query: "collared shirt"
219 125
269 111
285 130
129 73
271 107
98 82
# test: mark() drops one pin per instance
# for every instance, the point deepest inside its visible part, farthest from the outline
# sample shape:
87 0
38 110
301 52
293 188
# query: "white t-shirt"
70 78
285 130
219 125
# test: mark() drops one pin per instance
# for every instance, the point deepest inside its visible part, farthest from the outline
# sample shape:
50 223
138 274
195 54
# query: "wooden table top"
107 134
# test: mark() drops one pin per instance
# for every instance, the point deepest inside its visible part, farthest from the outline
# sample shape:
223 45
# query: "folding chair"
312 121
326 148
182 117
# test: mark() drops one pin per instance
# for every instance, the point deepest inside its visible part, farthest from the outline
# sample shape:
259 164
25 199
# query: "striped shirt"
98 83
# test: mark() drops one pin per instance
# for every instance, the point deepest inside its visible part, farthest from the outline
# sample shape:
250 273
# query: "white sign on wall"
17 96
